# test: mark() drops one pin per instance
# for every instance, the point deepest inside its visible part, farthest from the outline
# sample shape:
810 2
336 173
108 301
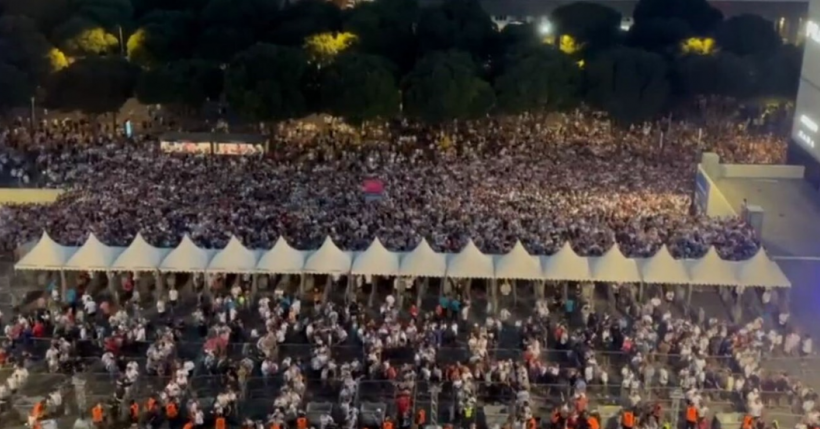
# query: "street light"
545 28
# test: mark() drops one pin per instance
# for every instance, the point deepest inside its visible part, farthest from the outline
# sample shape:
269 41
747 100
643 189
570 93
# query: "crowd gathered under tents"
533 184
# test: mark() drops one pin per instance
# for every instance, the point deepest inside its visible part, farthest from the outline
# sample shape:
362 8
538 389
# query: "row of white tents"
423 261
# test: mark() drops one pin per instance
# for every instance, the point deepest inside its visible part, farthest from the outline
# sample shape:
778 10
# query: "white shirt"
173 295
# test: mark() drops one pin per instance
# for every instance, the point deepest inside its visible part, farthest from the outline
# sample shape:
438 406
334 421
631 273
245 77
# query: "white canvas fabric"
93 256
282 259
140 256
423 261
187 257
663 268
376 261
760 271
470 263
711 270
328 259
565 264
518 264
46 255
234 258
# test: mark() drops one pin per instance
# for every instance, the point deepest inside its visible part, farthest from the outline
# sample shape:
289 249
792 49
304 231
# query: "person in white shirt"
806 346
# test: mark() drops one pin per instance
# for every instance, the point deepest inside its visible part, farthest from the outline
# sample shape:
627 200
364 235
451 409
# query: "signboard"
702 188
373 189
185 147
239 149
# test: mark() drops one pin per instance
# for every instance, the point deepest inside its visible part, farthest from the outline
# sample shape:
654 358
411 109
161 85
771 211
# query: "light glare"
811 125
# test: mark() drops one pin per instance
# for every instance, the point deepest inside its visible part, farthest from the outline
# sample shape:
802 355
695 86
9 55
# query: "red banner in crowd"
372 186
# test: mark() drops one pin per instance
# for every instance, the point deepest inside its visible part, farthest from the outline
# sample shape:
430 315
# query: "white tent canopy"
140 256
93 256
614 267
234 258
518 264
711 270
423 261
565 264
329 259
46 255
663 268
376 261
282 259
187 257
470 263
760 271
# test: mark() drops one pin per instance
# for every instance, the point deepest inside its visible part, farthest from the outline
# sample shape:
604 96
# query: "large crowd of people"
539 179
214 350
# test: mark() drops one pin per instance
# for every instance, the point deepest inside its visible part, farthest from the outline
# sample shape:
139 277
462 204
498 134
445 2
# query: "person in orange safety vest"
692 416
628 419
98 414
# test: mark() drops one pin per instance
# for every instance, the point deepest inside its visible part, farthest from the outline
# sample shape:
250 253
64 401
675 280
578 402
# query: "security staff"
628 419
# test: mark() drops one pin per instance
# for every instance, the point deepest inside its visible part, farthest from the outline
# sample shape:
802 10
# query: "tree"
265 83
747 35
698 15
15 88
659 34
108 14
231 26
445 86
781 70
186 84
629 84
721 74
541 80
385 28
24 47
456 24
359 87
163 36
46 14
324 47
80 37
594 25
93 85
302 19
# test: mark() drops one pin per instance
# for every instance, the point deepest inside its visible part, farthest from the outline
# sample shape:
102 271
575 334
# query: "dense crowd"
541 179
266 356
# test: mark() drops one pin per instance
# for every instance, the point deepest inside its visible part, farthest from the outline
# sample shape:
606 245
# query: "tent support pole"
374 282
302 284
63 284
688 295
326 292
401 289
422 289
494 286
515 291
254 285
566 291
640 292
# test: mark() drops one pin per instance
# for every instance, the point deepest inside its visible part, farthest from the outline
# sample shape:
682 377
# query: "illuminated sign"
811 125
813 31
802 135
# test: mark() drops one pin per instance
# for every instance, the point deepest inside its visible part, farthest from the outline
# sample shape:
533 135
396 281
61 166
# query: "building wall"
788 16
804 146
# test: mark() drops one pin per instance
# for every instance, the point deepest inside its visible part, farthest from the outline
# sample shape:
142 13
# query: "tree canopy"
445 85
434 61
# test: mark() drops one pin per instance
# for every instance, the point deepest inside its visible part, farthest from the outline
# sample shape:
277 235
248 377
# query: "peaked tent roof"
470 263
187 257
328 259
234 258
376 261
282 259
663 268
565 264
46 255
140 256
93 256
518 264
423 261
711 270
760 271
613 266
